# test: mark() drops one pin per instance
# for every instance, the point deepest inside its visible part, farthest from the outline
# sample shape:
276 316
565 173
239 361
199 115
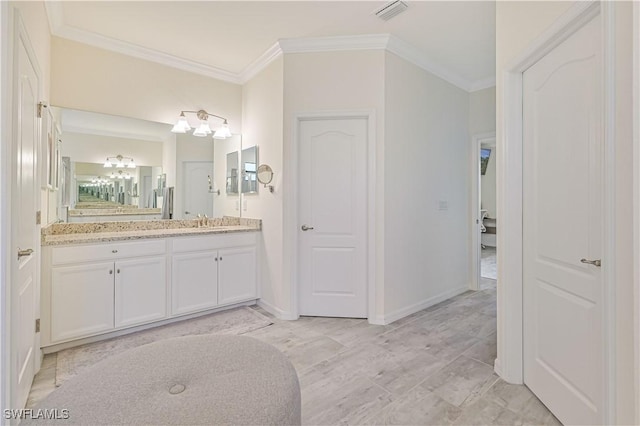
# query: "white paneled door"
332 216
563 225
198 178
24 235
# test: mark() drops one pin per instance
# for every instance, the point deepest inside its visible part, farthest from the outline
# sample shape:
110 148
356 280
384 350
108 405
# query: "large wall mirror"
147 161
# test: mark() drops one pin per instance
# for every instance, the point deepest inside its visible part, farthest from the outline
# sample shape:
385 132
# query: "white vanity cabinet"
213 271
105 287
81 300
96 288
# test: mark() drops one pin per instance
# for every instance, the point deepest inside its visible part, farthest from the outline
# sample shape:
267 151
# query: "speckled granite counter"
78 233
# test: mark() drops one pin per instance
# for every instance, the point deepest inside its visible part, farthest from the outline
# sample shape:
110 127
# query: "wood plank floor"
434 367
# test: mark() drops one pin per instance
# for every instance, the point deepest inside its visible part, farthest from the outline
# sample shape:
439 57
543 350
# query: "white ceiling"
457 37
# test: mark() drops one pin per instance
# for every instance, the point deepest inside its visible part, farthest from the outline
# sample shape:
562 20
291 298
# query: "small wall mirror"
232 172
265 176
250 170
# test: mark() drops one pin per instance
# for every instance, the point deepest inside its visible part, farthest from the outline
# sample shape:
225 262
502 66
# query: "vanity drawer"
106 251
213 242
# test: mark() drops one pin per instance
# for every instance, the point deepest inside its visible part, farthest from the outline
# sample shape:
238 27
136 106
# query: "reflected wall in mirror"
232 172
250 170
93 192
226 160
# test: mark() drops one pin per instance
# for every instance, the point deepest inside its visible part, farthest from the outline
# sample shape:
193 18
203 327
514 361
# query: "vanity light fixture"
119 162
120 175
203 129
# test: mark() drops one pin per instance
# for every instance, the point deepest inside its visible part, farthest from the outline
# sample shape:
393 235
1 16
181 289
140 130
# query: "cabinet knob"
220 257
118 271
216 259
114 251
110 271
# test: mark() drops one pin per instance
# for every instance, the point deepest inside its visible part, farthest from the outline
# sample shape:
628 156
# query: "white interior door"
24 241
333 217
562 175
198 176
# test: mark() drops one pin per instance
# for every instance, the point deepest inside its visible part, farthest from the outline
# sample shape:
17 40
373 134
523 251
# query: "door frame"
291 190
510 363
6 99
12 29
476 191
636 204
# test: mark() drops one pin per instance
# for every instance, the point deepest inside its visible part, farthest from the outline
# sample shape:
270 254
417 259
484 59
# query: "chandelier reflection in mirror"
120 162
203 129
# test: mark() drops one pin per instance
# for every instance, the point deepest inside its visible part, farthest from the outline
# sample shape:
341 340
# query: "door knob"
596 262
306 228
26 252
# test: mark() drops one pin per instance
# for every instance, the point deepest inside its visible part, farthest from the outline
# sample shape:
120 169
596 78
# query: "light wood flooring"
434 367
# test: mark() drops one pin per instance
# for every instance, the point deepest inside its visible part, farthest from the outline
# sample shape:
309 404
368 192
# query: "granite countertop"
78 233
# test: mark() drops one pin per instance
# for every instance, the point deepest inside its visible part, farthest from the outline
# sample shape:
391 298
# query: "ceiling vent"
390 10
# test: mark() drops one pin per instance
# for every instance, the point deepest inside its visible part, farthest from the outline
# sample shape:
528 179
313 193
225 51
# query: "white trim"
290 237
6 99
20 36
409 53
483 84
474 211
263 61
609 212
276 312
423 304
510 338
55 14
636 202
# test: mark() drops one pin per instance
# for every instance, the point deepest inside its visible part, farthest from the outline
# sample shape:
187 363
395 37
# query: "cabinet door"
237 275
141 290
81 300
194 284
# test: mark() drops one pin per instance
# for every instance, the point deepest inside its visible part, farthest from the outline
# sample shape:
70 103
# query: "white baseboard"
276 312
408 310
497 367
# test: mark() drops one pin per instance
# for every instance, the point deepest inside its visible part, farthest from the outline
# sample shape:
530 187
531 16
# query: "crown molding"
263 61
391 43
485 83
59 29
411 54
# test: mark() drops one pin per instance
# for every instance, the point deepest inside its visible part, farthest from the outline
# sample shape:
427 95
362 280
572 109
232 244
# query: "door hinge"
38 325
40 106
38 217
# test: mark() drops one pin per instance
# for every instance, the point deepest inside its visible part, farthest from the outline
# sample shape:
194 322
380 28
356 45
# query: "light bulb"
108 163
182 125
222 132
202 130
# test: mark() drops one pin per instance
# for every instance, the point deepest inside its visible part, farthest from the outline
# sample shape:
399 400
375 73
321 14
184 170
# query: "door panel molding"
290 210
509 362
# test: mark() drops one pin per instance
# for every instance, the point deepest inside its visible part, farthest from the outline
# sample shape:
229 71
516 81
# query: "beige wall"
624 215
92 79
262 108
482 111
517 25
338 81
426 155
95 149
